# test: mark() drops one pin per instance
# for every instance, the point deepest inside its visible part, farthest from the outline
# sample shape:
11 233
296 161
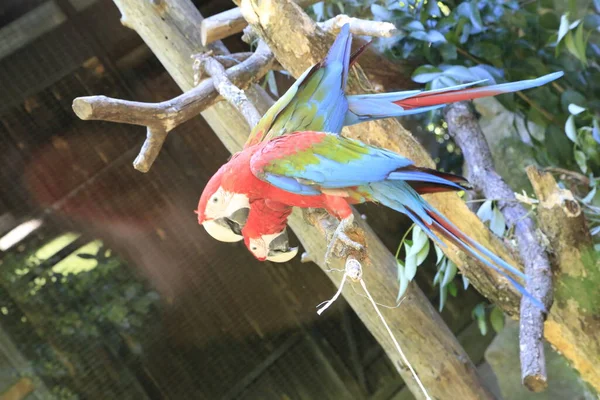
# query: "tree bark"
574 321
170 30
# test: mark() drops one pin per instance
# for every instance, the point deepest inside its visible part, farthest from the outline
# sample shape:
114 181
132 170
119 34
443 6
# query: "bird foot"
340 236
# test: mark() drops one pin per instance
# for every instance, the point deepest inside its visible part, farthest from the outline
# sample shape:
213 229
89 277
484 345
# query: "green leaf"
460 73
596 131
452 289
485 211
434 36
479 314
443 296
426 73
574 47
580 44
465 282
497 319
581 160
478 311
488 51
410 264
414 26
482 325
422 255
469 10
433 9
381 13
403 282
448 52
450 273
572 96
443 82
440 272
575 109
497 222
439 254
563 29
419 239
570 129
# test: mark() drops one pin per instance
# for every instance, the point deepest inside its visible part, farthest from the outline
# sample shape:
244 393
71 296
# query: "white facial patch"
224 203
258 248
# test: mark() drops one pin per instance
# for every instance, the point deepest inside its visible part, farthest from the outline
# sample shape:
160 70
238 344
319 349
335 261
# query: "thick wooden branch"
230 22
573 325
161 118
464 128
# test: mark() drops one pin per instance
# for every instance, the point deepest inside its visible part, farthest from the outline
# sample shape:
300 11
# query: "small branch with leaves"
464 128
161 118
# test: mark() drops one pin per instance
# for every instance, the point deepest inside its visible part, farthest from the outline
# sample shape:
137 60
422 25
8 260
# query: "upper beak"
228 229
280 250
223 230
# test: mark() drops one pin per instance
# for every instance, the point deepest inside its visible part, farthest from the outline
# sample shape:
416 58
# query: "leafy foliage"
87 301
506 40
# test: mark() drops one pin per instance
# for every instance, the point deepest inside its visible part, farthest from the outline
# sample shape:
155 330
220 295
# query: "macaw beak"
280 250
228 229
223 229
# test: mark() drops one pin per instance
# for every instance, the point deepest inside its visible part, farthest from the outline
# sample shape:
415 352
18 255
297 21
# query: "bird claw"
340 236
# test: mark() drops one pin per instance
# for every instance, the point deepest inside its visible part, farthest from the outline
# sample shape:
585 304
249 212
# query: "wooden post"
169 28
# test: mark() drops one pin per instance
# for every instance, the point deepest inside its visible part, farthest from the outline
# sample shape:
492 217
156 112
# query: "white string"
362 282
354 271
334 298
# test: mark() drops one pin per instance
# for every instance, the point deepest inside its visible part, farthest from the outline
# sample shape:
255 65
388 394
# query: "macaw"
317 101
324 170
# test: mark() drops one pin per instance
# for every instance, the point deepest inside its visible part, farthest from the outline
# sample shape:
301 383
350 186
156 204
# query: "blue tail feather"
399 196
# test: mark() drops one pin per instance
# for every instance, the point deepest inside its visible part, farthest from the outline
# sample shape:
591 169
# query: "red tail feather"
433 99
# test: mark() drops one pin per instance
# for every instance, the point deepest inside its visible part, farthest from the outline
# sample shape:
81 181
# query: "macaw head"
223 213
273 247
265 233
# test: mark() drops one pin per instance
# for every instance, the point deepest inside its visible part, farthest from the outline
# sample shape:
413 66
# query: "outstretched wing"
316 101
305 162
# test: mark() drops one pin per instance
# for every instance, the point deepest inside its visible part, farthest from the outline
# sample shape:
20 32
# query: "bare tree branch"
161 118
464 128
360 27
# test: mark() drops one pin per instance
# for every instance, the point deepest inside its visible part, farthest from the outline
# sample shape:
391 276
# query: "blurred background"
109 289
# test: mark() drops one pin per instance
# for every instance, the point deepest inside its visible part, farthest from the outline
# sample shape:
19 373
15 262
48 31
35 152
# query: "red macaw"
322 170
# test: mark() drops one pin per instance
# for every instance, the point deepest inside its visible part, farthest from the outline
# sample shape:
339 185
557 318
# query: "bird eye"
254 248
215 200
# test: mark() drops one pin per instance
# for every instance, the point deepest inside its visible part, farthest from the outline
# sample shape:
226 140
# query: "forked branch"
464 128
161 118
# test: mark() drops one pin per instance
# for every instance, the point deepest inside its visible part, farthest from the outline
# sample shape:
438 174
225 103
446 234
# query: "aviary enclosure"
109 287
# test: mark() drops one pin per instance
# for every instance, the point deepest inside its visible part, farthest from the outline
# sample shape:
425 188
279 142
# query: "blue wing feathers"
400 197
